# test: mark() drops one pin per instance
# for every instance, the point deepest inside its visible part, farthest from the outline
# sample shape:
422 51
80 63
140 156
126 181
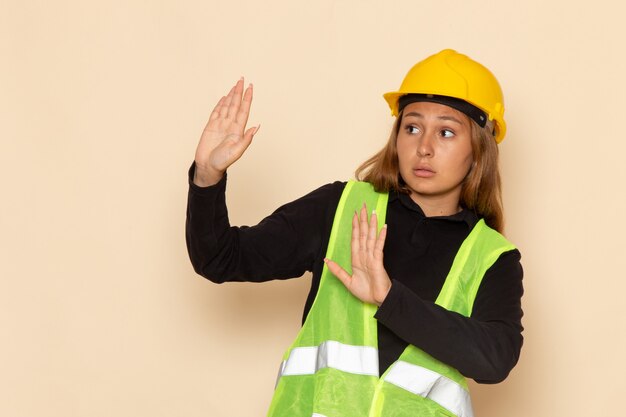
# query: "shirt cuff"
219 187
389 304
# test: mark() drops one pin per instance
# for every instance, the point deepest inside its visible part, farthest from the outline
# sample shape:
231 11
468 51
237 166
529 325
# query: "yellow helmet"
455 75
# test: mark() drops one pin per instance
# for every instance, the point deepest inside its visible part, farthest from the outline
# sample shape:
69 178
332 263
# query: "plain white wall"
102 104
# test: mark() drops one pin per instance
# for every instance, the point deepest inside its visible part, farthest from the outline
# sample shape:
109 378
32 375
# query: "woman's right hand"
225 137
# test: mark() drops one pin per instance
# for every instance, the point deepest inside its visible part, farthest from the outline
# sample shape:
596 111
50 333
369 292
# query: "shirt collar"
466 216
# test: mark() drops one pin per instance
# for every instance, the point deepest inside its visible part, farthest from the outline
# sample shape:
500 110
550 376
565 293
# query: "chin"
423 190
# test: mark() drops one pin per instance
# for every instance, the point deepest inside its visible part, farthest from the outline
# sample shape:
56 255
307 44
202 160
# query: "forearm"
484 347
224 253
207 228
283 245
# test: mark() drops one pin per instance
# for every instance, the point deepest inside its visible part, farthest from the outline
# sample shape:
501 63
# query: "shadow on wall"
261 310
491 399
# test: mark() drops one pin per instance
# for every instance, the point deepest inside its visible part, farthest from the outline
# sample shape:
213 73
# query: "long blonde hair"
481 190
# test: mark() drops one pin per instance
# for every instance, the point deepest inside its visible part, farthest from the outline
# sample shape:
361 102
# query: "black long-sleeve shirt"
419 251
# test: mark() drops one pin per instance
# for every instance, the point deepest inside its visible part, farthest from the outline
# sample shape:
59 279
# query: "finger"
216 110
226 103
380 243
339 272
354 243
241 117
233 106
363 228
372 232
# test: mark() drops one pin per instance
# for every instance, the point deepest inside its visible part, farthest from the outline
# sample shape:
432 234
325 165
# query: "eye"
446 133
411 129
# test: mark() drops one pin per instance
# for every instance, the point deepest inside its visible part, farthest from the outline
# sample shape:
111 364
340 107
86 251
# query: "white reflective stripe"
317 415
430 384
362 360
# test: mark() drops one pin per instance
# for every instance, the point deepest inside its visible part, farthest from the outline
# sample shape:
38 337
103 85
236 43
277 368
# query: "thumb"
339 272
250 133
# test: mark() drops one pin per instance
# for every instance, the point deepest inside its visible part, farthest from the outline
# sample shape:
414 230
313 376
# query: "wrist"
383 295
205 177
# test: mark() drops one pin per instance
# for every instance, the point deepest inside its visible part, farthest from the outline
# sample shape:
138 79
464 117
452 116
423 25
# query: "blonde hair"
481 190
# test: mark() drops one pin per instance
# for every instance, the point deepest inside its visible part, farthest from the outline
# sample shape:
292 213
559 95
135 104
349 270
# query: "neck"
445 205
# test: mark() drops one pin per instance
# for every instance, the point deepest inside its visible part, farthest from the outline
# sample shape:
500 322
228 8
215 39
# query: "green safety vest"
331 369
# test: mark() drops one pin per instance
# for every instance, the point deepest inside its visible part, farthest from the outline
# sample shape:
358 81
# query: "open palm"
225 137
369 281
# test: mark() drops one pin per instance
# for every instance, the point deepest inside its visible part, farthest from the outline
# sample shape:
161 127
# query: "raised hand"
225 137
369 281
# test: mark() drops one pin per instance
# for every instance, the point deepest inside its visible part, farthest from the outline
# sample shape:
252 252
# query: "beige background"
101 106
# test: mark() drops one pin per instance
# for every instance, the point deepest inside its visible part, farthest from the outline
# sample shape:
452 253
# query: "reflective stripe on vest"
431 385
362 360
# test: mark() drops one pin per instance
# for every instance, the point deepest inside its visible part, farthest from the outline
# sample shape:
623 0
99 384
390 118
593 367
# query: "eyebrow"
421 116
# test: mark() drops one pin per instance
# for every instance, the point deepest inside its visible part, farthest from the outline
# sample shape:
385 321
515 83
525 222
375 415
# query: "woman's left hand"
369 281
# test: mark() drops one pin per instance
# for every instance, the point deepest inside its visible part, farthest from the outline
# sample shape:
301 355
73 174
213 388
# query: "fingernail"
373 211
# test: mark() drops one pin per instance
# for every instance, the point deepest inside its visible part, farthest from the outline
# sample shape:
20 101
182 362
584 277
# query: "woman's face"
434 153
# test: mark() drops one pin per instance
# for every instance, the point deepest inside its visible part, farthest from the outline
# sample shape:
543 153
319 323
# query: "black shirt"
419 251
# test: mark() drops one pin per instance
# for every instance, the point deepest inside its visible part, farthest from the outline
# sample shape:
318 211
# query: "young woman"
414 288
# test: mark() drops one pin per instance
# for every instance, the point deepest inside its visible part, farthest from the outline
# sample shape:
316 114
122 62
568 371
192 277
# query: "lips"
423 171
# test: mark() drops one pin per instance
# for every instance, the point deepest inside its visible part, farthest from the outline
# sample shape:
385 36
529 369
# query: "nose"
425 146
